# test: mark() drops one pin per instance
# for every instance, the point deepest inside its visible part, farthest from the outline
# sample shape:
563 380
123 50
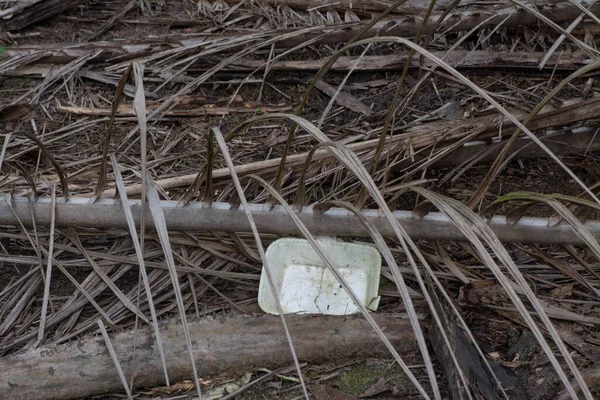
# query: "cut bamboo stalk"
107 214
237 345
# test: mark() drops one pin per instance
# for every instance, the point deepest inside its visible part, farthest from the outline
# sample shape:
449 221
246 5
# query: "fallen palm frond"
460 59
412 140
107 214
339 33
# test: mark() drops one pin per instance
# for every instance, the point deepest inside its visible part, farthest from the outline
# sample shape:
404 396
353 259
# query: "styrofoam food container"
306 286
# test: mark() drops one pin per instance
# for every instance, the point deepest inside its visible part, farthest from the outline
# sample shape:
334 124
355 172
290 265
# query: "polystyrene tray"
306 286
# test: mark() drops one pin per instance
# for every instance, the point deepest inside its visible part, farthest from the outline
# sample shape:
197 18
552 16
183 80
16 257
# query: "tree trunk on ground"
236 345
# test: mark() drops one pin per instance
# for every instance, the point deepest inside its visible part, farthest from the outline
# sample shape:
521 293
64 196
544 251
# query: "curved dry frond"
482 238
242 198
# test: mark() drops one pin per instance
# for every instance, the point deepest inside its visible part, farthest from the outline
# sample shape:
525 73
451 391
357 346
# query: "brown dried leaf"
562 292
383 385
482 293
326 393
17 112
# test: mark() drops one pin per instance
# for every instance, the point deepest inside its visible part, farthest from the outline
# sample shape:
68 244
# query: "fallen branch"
220 217
236 345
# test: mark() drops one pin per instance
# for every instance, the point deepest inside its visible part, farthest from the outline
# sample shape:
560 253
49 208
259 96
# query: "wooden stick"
236 345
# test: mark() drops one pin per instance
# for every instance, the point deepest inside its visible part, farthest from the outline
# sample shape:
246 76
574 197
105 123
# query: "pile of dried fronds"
153 149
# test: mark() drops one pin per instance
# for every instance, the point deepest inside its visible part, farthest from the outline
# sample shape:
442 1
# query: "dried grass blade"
163 236
275 291
403 290
72 235
49 265
139 106
559 41
476 231
140 258
114 357
113 112
4 147
59 171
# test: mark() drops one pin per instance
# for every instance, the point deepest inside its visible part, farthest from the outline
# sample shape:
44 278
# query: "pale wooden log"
235 345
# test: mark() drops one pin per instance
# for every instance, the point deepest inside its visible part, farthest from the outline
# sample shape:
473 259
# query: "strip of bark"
344 99
233 345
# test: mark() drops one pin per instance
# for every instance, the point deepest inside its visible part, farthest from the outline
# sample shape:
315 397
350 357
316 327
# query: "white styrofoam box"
306 286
